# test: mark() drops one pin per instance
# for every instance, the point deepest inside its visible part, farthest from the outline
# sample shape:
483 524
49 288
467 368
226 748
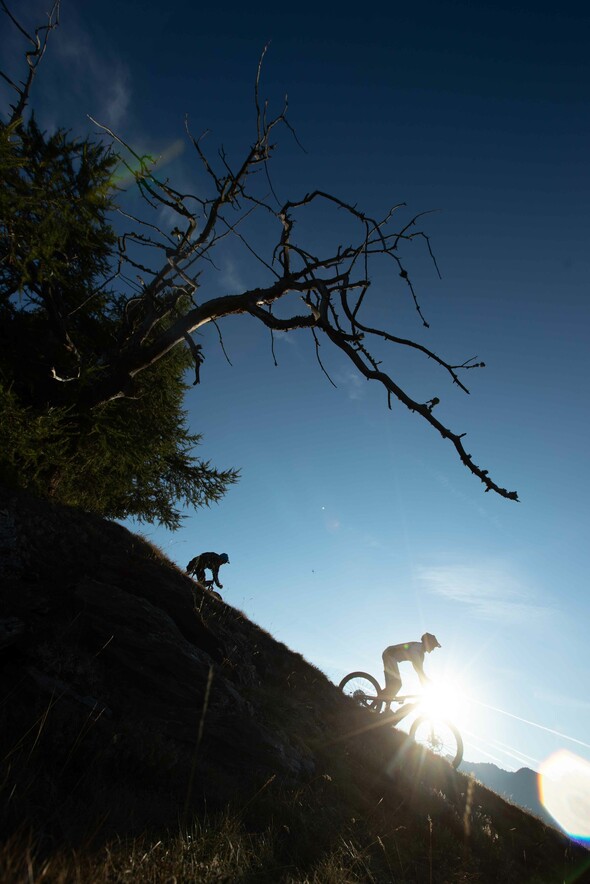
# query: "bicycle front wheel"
440 737
364 689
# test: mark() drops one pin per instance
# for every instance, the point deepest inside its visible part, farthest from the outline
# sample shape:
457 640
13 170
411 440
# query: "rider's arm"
215 572
417 663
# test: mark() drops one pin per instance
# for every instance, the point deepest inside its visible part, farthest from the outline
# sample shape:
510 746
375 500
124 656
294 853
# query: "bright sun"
448 699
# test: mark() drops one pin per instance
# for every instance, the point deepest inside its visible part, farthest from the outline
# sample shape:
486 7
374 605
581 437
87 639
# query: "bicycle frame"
397 715
425 729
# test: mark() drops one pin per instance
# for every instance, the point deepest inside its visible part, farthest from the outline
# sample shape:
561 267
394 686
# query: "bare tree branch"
175 259
424 410
38 41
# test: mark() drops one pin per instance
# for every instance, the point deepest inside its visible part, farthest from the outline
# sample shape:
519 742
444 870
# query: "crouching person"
207 560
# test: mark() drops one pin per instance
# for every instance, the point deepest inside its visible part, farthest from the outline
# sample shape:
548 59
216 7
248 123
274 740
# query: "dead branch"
176 259
38 42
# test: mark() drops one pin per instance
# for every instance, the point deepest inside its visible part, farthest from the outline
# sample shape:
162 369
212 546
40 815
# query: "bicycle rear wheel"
364 689
440 737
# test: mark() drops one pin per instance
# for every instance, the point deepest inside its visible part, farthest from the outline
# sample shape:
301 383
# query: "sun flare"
446 699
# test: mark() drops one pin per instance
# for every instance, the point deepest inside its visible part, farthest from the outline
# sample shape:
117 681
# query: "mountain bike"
436 734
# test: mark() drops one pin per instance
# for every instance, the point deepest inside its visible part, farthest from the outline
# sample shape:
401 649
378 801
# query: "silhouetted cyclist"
212 561
412 652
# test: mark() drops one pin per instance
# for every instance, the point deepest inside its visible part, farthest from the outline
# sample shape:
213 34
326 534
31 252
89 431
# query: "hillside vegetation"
153 733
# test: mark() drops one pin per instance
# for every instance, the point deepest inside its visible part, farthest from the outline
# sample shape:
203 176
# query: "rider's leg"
393 681
200 575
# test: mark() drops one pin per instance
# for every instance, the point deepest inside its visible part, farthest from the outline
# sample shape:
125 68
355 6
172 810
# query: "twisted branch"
171 303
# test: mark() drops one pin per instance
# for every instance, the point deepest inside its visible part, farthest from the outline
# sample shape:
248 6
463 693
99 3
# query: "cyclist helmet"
430 641
224 558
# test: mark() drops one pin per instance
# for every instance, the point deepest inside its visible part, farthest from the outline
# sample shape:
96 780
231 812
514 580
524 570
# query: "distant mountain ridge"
519 786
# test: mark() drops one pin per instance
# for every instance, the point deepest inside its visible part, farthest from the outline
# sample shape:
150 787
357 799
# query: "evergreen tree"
59 316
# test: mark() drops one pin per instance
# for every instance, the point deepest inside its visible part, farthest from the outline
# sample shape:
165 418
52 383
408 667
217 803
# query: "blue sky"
354 527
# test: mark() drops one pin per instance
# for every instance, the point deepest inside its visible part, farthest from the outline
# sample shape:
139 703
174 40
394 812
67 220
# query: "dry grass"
214 851
224 849
346 824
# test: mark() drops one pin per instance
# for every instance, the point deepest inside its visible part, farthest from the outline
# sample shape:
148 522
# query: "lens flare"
564 789
125 175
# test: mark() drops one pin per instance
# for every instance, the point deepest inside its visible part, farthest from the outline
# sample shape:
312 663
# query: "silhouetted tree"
61 321
146 306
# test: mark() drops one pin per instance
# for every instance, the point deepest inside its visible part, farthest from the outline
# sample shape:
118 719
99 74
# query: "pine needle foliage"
130 456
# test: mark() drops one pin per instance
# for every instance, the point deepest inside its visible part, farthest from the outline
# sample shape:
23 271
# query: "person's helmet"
430 641
224 558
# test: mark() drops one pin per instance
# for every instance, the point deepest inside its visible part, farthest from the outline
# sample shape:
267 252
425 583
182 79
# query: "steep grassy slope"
152 732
